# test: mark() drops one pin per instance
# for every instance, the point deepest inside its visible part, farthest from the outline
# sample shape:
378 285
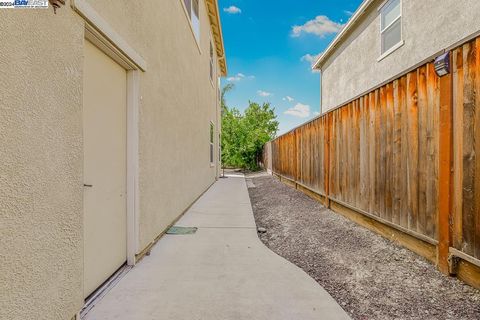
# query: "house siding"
428 28
41 172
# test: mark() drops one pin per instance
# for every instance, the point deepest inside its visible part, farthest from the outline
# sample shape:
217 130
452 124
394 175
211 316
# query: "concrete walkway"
222 272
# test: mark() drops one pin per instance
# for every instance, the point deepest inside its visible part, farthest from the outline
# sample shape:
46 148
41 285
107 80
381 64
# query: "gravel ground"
369 276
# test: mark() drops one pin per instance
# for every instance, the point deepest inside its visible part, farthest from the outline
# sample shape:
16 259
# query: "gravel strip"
369 276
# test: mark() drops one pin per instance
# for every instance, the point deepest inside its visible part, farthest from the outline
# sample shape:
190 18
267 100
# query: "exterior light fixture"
442 64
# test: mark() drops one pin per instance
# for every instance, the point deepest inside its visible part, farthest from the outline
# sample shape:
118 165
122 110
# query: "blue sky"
270 45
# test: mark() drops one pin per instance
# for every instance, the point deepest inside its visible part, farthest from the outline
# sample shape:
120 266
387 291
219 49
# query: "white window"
193 11
188 5
219 93
391 14
212 63
219 148
212 135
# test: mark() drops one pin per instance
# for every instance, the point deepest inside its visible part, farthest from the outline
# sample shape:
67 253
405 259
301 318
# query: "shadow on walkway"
222 271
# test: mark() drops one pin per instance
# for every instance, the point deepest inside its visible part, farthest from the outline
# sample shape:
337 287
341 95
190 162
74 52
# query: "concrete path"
222 272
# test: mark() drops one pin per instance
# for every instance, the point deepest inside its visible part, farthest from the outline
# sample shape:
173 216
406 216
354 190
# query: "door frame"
102 35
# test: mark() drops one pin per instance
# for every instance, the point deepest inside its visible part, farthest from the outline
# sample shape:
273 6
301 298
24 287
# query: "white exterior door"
104 130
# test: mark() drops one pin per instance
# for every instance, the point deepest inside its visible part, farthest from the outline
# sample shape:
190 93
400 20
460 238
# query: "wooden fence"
401 160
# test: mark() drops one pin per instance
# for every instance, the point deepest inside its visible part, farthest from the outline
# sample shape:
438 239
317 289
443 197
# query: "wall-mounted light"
442 64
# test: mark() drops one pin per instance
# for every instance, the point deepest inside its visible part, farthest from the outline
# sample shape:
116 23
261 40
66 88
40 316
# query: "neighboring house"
109 126
385 39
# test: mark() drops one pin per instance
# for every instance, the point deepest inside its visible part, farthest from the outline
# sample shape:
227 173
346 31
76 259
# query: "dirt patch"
369 276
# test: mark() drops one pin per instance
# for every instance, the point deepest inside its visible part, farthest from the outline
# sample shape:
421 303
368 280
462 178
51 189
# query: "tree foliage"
244 135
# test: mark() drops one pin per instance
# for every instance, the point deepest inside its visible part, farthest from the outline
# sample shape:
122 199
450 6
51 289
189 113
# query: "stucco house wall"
41 164
428 26
41 167
178 102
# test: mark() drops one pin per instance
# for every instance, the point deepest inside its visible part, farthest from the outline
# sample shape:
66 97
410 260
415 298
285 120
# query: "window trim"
391 50
399 44
190 23
213 59
219 97
220 148
211 140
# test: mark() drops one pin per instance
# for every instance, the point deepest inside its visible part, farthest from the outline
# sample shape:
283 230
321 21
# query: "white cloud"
239 77
264 93
348 12
234 79
320 26
311 58
288 98
232 10
316 114
299 110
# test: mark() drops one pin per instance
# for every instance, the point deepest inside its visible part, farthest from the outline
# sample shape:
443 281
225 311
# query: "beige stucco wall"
41 214
429 26
41 154
178 103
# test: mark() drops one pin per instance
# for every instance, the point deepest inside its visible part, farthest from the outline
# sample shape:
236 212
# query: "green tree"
244 135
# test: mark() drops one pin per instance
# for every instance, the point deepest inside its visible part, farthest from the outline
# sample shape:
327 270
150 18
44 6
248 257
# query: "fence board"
433 142
476 221
458 145
389 153
412 161
468 149
403 192
396 158
466 78
422 149
372 147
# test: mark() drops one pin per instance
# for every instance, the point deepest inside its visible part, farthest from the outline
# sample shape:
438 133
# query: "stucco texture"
178 101
41 167
41 231
428 27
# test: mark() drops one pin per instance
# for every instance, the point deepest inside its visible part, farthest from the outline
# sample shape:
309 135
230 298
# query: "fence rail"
403 155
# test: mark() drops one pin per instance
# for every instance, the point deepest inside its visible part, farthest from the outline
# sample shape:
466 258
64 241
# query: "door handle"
88 185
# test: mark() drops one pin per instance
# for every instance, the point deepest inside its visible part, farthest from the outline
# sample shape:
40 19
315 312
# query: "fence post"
326 158
445 172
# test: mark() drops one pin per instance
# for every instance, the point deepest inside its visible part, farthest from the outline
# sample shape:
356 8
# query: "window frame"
219 94
212 63
211 140
188 14
219 149
383 29
197 33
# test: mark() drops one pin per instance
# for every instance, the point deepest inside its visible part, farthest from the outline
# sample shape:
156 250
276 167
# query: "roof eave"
216 26
343 33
